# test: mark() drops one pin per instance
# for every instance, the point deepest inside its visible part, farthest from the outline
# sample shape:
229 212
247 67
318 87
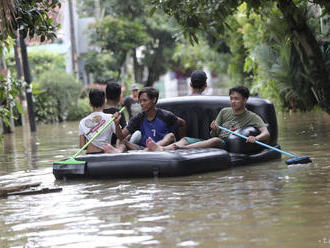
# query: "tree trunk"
151 77
27 78
18 59
317 66
138 69
19 71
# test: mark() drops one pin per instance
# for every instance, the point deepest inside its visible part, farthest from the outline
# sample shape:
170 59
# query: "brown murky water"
263 205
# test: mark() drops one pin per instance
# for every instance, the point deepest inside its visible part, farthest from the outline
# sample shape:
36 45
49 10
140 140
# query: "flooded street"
262 205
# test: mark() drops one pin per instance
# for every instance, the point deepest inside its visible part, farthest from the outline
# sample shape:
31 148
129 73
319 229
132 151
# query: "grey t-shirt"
133 106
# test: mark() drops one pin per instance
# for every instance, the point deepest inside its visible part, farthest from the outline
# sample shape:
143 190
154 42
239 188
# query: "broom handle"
258 142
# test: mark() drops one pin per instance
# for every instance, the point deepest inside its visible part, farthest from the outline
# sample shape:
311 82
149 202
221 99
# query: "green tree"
115 38
158 37
39 61
210 17
187 58
31 17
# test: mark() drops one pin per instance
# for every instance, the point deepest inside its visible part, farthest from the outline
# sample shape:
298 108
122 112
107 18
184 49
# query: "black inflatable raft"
198 112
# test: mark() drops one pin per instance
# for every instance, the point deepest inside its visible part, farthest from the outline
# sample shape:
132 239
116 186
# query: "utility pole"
27 78
74 55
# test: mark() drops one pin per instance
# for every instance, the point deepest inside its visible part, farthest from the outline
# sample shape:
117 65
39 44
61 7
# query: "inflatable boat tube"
198 113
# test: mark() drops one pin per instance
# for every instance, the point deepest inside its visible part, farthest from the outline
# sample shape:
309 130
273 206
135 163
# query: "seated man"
113 94
156 125
233 118
92 123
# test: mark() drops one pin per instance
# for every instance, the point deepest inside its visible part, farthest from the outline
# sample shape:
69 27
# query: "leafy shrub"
8 99
55 93
39 62
44 105
80 110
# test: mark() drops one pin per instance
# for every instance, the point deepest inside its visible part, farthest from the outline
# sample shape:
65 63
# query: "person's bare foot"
110 149
170 147
177 147
153 146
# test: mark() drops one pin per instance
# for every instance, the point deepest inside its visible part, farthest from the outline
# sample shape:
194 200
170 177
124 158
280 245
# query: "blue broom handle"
258 142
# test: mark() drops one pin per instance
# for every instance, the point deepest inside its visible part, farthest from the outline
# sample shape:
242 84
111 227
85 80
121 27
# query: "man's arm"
125 132
82 139
182 127
119 133
215 130
263 136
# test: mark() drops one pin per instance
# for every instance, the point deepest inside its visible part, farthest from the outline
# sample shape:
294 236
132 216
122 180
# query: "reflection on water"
265 205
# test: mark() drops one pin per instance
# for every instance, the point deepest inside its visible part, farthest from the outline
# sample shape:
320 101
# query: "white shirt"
93 123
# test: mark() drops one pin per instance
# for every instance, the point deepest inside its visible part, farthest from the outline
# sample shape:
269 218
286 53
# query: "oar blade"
299 160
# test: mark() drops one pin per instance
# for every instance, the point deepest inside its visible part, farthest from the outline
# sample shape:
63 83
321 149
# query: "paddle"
72 160
294 159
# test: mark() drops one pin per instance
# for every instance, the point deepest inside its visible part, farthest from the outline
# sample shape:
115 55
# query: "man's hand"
117 116
251 139
214 126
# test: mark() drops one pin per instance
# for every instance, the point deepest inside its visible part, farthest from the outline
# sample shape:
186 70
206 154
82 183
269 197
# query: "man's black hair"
113 91
96 98
198 79
243 91
151 92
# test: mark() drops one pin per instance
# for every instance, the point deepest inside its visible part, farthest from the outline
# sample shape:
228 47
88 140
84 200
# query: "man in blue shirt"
156 125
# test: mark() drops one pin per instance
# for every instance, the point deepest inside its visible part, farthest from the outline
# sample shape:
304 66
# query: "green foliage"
159 49
80 110
39 62
8 93
104 67
273 59
115 34
125 27
55 93
44 105
266 53
30 17
129 8
115 37
188 58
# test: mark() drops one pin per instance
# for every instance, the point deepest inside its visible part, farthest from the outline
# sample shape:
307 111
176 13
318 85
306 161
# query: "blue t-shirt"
163 123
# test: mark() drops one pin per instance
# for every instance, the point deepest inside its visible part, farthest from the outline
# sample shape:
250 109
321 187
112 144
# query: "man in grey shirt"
233 118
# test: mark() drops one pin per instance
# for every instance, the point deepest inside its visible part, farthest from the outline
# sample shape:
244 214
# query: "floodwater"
262 205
